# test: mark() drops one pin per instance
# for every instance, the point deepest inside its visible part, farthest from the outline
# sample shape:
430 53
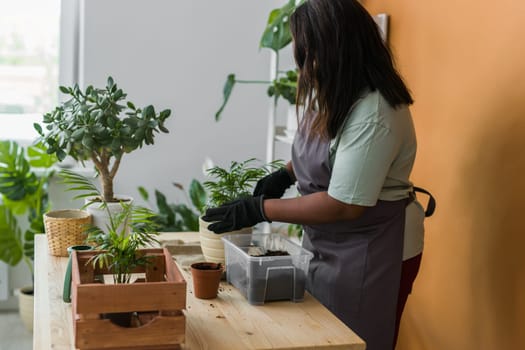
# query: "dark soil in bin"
280 284
273 253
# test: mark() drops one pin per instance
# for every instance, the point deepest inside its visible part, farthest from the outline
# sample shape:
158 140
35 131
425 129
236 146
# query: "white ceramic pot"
99 214
211 243
291 121
26 302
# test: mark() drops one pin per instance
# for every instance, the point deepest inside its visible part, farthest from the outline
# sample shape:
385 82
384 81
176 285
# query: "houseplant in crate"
24 175
100 125
228 184
155 299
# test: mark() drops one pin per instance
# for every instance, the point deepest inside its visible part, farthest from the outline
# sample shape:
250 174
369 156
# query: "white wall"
176 54
173 54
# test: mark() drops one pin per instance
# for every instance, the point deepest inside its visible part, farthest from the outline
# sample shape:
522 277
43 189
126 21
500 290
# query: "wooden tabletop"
227 322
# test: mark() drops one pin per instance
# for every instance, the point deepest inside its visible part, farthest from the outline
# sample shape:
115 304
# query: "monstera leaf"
277 33
11 250
17 181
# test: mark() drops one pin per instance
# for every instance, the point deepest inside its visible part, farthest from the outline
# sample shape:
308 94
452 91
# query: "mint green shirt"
373 154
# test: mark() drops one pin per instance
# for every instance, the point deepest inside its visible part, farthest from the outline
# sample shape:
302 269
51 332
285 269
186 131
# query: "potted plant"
228 184
276 36
24 175
179 217
100 125
104 290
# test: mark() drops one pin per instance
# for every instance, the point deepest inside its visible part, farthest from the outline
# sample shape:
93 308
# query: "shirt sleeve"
362 161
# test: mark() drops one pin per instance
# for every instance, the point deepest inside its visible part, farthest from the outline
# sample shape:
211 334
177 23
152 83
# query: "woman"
351 158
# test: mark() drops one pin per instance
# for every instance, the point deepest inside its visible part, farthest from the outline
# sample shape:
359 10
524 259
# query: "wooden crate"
159 299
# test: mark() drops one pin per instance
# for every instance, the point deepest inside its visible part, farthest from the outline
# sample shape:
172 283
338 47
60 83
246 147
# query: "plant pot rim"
67 214
26 290
118 198
214 266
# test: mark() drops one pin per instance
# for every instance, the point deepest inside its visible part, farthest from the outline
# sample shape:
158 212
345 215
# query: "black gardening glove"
237 214
274 185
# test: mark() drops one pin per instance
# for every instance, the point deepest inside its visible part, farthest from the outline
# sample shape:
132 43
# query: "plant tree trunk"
102 162
107 187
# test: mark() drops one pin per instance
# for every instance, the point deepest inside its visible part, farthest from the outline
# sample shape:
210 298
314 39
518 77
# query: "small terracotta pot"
206 277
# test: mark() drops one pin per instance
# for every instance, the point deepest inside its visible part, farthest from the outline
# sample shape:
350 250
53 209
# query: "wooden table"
227 322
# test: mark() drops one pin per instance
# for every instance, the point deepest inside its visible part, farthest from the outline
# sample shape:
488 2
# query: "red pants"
409 271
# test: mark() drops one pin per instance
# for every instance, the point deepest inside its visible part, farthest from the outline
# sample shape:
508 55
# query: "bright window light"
29 50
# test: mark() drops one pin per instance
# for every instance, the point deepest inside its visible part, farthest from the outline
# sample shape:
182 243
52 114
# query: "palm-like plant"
237 181
119 248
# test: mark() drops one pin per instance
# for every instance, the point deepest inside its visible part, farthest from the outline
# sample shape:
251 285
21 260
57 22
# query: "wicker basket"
65 228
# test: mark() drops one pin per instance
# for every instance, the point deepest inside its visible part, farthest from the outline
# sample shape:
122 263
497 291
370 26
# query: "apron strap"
431 206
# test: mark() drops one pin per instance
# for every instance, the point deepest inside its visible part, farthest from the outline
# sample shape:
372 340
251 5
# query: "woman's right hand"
274 185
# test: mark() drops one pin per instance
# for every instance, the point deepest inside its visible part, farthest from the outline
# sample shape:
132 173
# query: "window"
29 51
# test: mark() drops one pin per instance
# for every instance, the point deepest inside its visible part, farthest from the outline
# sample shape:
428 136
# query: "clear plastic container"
266 278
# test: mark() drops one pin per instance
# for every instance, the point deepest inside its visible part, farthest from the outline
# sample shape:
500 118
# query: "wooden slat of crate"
90 300
86 267
162 331
102 298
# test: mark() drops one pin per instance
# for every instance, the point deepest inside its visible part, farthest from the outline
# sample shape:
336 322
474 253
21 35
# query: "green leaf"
77 182
19 207
77 134
16 178
64 89
226 92
277 33
198 196
87 142
38 128
131 105
189 221
39 158
148 112
143 193
61 154
163 206
10 238
29 244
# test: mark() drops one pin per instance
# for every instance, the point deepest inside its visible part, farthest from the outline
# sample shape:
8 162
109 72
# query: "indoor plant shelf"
157 301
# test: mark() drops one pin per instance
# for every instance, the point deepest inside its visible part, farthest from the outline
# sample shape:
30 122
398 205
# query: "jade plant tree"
276 36
100 125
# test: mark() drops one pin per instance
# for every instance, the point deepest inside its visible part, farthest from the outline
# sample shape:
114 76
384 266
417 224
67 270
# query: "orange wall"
465 64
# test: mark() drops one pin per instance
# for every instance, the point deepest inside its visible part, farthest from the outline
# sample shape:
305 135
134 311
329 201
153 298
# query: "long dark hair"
339 52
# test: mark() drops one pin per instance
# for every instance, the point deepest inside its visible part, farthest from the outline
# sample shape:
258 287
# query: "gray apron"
356 267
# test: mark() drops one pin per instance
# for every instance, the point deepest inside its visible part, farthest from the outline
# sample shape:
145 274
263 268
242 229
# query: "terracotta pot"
206 277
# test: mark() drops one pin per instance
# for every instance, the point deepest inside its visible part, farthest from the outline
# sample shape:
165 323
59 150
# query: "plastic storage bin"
266 278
